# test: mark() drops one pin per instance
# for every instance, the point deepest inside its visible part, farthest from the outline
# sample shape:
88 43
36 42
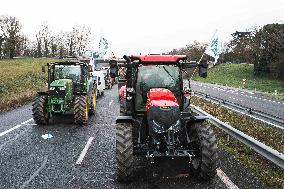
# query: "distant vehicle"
107 78
99 76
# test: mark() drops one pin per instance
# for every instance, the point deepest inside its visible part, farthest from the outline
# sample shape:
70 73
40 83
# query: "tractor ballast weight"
156 120
70 88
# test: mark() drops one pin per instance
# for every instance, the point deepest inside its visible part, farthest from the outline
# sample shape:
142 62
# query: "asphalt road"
28 160
246 98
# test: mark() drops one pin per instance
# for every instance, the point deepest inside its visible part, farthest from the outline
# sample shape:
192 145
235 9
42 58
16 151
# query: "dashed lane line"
110 102
15 127
225 179
26 183
84 151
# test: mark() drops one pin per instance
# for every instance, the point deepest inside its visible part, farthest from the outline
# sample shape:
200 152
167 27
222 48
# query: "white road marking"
225 179
110 102
15 127
84 151
26 183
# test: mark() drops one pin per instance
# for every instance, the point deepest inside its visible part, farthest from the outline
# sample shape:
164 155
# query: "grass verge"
19 81
233 74
267 172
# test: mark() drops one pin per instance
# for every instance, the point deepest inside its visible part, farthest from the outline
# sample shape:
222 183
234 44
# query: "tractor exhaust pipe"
126 58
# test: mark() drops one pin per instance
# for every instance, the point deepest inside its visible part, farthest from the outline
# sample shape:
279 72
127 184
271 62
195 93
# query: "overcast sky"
146 26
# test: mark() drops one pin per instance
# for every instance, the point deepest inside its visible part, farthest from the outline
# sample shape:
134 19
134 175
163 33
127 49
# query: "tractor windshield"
68 72
156 76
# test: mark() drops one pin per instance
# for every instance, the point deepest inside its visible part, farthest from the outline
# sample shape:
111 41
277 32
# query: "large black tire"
81 110
204 164
124 152
39 109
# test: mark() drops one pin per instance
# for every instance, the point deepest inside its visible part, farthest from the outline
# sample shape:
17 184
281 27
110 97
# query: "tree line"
261 46
13 42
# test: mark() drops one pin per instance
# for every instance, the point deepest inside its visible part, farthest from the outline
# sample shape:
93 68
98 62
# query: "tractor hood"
60 82
163 111
160 97
60 87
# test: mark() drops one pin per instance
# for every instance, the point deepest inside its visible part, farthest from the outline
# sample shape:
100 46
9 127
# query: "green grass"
266 171
233 74
20 79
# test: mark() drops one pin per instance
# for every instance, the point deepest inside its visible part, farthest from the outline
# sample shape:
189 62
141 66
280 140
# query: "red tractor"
156 120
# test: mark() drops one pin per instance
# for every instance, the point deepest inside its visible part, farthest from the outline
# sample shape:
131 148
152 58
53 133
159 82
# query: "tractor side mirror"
90 74
90 68
43 69
202 72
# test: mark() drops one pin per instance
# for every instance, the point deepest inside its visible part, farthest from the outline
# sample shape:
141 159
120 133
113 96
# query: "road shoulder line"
225 179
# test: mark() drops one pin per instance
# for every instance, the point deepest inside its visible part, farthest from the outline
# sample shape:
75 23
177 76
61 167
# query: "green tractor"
70 89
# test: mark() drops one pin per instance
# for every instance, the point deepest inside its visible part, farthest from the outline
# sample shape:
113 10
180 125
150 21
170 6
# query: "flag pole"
202 55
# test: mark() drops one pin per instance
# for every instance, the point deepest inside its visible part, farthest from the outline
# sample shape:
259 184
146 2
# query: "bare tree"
78 40
10 28
83 39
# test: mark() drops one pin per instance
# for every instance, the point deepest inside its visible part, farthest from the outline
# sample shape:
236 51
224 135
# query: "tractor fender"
188 117
200 118
42 92
124 119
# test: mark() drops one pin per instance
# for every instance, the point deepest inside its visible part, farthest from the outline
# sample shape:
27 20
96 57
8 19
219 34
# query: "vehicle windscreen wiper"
168 73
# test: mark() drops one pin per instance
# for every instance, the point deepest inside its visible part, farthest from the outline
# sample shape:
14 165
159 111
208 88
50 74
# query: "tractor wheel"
93 103
39 109
81 110
124 152
204 164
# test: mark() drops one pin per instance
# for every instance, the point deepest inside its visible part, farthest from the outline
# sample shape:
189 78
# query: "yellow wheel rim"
94 100
87 109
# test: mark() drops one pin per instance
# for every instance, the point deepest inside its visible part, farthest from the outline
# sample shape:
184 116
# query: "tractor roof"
158 58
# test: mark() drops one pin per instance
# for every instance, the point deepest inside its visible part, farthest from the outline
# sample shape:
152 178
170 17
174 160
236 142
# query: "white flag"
103 46
214 47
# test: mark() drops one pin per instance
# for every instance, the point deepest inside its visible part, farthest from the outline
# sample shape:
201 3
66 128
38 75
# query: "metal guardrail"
272 155
261 116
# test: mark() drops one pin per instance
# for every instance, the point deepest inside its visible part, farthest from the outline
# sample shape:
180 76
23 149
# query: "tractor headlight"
62 88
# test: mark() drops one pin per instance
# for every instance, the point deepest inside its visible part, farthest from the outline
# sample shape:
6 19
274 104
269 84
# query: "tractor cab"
150 72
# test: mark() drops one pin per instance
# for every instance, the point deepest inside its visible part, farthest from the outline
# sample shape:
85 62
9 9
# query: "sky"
146 26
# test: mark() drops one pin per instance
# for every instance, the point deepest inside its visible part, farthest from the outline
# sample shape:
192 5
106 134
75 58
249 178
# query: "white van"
100 80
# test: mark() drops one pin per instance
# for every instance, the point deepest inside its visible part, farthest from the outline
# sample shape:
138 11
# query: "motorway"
84 157
245 98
